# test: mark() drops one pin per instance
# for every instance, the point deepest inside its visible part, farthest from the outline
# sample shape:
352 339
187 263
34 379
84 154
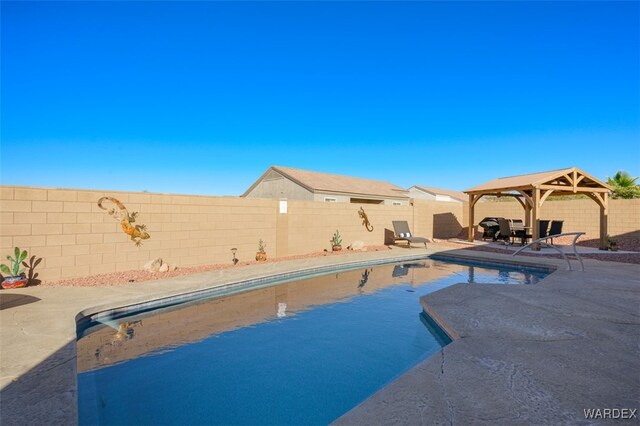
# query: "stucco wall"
419 194
416 193
339 198
578 215
389 202
276 186
74 237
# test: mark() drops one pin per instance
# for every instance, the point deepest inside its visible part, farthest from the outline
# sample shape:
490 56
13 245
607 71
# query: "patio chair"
517 223
518 230
544 228
506 232
402 233
555 228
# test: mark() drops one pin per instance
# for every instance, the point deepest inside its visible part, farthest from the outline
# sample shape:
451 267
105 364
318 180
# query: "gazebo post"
535 219
604 219
472 203
526 205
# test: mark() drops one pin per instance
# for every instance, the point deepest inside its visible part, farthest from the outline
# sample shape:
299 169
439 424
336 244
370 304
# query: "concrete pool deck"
522 355
519 352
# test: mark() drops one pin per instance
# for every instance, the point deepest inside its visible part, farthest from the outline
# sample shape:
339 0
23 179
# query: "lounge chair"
555 228
400 271
403 233
544 228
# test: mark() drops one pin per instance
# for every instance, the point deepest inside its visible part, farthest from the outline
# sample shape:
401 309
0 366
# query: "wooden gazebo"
533 189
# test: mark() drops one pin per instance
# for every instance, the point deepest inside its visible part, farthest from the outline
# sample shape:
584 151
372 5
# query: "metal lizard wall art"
365 220
136 232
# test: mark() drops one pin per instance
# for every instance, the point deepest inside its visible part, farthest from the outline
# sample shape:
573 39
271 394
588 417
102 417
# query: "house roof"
458 195
325 182
562 179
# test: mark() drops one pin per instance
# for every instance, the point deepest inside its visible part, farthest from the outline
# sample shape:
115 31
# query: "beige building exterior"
297 184
437 194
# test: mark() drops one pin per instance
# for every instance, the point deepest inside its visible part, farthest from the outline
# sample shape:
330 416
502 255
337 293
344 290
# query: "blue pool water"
303 352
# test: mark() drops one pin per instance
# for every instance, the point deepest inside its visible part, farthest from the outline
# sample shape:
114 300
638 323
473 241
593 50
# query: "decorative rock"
153 265
164 268
173 267
357 245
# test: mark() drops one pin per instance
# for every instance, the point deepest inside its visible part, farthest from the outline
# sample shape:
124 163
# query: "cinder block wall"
438 219
312 224
77 238
74 237
578 215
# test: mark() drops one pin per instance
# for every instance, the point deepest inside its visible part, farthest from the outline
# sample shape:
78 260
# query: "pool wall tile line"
86 318
526 263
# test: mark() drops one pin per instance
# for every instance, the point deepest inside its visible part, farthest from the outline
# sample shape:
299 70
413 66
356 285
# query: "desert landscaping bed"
126 277
134 276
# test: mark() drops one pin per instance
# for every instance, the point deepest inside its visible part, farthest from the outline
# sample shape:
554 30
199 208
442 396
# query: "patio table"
522 232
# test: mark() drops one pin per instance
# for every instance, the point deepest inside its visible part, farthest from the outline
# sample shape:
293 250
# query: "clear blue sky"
202 97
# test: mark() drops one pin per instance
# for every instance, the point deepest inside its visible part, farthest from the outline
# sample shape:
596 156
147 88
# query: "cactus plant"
15 269
14 278
261 255
336 241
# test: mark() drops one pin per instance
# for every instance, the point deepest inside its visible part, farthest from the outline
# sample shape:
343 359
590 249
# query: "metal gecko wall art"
136 232
365 220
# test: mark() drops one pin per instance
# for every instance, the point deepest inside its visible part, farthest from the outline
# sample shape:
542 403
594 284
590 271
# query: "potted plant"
261 255
336 241
613 243
14 276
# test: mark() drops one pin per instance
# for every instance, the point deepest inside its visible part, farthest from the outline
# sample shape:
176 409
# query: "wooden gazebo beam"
578 190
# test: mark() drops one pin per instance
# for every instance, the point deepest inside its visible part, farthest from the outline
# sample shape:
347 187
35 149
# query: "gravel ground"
126 277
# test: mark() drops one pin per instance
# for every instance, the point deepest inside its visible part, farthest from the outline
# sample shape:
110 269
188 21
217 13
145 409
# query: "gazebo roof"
533 189
570 180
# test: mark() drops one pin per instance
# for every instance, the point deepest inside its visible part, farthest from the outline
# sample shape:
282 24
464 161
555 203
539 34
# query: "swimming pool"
303 352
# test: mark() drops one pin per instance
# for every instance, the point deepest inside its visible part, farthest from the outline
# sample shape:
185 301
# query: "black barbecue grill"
491 227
